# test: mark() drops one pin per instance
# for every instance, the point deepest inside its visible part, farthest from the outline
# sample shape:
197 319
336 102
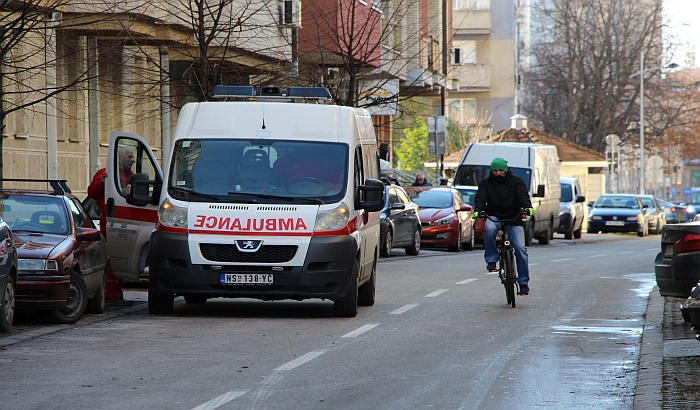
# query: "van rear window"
473 174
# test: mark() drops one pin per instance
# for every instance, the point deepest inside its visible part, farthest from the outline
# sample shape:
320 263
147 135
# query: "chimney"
518 122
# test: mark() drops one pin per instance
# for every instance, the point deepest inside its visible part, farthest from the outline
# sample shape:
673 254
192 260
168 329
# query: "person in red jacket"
96 191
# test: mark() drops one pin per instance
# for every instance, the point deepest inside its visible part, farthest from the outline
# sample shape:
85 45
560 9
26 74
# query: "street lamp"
640 73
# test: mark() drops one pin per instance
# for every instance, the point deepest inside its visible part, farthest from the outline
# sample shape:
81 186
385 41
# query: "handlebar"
521 214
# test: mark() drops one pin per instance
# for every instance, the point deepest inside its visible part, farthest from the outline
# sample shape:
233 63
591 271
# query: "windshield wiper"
283 198
195 193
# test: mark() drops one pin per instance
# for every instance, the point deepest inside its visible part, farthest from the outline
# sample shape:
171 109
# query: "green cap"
499 163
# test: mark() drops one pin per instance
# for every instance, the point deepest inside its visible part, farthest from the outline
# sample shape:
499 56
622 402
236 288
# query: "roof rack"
59 185
274 93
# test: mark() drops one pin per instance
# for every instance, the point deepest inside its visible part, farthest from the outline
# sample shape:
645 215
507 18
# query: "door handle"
110 207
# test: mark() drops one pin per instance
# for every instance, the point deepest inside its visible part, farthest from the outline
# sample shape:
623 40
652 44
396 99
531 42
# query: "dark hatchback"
399 222
62 267
618 213
677 266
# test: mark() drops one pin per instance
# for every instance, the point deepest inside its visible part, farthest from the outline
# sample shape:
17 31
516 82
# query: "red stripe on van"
248 233
136 214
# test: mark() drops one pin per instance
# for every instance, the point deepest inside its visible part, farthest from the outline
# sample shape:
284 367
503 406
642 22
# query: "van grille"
230 253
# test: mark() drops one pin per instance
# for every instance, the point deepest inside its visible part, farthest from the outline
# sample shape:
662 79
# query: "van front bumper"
325 274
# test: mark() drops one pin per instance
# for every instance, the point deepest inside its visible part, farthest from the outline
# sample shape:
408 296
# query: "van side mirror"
141 191
371 196
540 191
580 198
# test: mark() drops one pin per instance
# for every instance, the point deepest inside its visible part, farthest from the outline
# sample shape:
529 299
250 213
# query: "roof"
568 151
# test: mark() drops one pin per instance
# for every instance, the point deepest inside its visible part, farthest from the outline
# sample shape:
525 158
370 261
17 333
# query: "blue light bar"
320 93
223 91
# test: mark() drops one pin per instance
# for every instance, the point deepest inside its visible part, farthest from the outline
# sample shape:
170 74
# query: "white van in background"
536 164
264 199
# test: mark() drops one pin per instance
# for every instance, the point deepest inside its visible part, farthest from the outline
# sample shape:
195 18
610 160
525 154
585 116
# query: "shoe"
118 302
523 290
491 267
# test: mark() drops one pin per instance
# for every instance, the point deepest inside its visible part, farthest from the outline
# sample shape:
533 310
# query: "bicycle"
506 262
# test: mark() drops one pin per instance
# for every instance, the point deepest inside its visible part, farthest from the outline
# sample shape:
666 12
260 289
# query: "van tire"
577 233
529 233
414 249
347 306
159 303
544 239
570 234
366 293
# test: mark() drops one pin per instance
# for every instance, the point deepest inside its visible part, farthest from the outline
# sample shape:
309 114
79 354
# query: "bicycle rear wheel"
509 283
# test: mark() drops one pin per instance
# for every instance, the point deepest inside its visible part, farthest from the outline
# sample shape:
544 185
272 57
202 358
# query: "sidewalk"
668 375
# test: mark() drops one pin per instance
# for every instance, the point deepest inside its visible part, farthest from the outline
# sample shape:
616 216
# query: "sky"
683 17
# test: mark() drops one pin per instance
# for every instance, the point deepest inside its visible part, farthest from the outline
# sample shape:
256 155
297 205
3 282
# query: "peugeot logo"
248 245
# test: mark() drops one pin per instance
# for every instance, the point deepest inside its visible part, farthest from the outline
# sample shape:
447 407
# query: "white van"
536 164
267 200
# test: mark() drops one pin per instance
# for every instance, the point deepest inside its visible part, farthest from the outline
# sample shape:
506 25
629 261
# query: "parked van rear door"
129 227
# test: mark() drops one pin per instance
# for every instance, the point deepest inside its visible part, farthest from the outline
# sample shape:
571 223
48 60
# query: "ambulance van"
259 198
536 164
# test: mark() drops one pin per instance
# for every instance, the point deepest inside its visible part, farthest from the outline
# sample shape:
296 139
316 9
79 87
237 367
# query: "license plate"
615 223
245 279
668 250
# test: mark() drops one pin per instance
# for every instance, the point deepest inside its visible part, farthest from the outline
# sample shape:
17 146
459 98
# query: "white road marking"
598 256
361 330
437 292
493 273
652 249
561 260
464 282
221 400
622 253
402 309
301 360
532 264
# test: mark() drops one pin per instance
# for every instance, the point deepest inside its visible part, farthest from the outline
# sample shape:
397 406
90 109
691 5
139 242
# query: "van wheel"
347 307
458 243
97 303
366 293
7 305
544 239
577 233
415 245
385 249
159 303
75 306
529 233
570 234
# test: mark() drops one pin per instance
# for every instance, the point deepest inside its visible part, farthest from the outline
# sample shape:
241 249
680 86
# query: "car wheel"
159 303
470 244
544 239
529 233
385 249
366 293
7 308
75 306
195 299
570 233
97 303
347 306
458 243
415 245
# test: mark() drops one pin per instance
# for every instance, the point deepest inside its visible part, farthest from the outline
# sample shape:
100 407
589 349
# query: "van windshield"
566 194
267 171
473 174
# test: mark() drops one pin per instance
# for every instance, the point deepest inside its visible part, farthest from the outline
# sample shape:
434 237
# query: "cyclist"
502 195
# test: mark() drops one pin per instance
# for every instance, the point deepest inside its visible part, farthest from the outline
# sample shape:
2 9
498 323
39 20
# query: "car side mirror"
645 206
580 198
465 208
540 191
141 191
88 234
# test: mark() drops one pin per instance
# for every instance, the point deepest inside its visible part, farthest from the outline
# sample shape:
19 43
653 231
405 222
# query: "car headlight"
690 209
332 219
595 218
37 265
445 221
171 215
634 218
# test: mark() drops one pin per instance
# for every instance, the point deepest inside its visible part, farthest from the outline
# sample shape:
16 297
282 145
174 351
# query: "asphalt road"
439 336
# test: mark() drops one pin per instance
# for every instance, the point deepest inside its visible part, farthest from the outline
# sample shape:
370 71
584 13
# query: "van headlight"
332 219
171 215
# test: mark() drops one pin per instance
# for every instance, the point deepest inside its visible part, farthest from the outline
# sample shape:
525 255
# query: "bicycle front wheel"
509 283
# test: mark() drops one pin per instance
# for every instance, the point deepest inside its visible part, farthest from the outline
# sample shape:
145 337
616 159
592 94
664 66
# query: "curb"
648 393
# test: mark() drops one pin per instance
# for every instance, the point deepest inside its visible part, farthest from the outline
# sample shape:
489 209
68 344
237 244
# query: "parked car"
8 276
62 266
656 216
618 213
571 210
677 266
671 211
399 222
445 218
468 193
693 204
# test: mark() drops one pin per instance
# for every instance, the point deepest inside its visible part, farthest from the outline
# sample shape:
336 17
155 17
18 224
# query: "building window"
471 5
463 111
464 52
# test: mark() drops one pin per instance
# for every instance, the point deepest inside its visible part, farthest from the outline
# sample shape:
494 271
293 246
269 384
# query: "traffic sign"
687 191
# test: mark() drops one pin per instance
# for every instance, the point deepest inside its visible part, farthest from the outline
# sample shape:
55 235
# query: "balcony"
472 77
419 77
471 22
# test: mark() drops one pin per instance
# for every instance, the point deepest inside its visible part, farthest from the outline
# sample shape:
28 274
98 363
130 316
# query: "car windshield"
35 213
473 174
695 198
258 170
648 201
468 195
433 199
611 201
566 195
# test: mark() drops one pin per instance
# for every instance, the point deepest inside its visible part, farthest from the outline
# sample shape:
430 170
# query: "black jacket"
502 198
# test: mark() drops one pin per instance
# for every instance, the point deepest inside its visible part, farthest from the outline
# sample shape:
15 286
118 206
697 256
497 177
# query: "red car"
62 266
445 218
